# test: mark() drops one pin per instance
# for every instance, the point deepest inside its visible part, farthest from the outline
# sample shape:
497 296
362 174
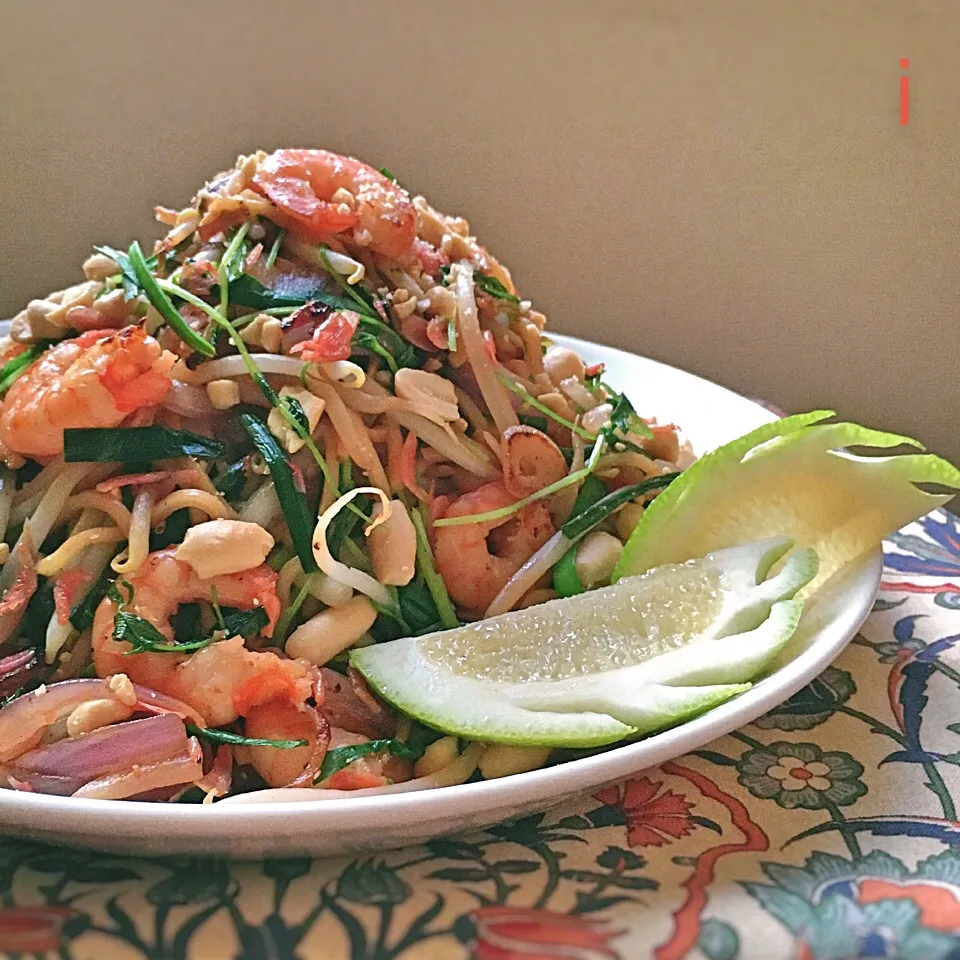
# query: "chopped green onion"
292 502
164 306
566 580
130 444
336 760
127 278
236 739
274 249
435 584
13 369
578 525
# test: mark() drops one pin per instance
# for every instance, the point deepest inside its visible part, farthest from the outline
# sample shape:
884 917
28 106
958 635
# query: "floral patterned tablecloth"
827 830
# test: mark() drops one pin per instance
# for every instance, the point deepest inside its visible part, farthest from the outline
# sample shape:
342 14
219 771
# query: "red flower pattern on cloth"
652 820
515 933
31 929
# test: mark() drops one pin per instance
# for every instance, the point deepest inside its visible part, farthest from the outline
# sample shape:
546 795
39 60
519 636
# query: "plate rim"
47 815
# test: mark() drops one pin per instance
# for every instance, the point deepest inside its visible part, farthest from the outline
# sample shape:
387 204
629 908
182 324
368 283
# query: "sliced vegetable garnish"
293 503
12 369
341 757
238 739
164 306
136 444
791 477
623 420
531 401
231 264
293 608
644 653
581 523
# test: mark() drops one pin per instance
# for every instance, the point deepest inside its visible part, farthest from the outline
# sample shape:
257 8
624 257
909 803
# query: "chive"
274 249
13 369
435 584
292 502
227 266
164 306
236 739
125 444
577 526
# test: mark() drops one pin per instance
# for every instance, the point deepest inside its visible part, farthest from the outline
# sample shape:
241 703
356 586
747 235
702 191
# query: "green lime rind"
790 478
751 622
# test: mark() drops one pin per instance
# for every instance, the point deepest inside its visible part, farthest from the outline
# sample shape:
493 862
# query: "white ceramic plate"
709 415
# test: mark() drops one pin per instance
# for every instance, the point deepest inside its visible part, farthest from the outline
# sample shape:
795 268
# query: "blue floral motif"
921 557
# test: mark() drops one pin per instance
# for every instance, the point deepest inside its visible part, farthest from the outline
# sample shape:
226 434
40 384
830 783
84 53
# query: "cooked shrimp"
93 380
320 195
477 559
222 681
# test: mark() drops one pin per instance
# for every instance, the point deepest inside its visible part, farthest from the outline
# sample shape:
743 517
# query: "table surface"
826 830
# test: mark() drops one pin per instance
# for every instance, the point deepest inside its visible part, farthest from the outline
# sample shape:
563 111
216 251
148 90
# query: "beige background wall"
721 185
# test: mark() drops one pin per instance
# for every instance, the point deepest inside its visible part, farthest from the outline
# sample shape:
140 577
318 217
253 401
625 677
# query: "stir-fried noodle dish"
316 415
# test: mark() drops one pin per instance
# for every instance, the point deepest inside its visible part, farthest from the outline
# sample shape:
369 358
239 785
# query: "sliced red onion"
16 670
321 744
23 721
121 747
219 778
152 701
186 767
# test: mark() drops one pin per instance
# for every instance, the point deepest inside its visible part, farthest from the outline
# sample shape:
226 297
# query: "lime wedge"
790 478
592 669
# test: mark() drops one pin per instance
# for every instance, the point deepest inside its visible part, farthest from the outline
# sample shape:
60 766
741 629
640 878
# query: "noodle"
104 503
51 565
211 504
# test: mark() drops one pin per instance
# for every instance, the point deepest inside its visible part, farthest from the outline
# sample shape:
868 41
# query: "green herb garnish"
493 287
336 760
238 740
128 278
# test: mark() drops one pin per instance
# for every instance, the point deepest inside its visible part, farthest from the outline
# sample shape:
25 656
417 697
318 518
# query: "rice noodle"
102 502
345 373
526 577
212 504
70 549
468 323
456 773
333 568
